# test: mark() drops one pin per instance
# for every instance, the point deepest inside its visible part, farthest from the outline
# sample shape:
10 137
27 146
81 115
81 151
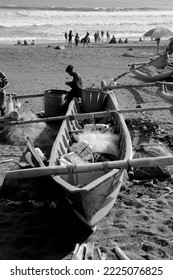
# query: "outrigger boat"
164 93
91 193
155 70
91 185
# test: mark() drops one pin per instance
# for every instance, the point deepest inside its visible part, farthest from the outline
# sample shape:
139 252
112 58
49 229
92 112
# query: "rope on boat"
123 74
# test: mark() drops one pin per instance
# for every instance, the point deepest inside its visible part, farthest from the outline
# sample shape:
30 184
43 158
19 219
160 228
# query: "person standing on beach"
3 85
108 36
65 36
102 35
158 44
86 39
76 84
70 36
76 39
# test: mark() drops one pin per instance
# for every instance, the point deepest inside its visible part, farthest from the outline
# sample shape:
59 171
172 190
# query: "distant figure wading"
70 36
86 39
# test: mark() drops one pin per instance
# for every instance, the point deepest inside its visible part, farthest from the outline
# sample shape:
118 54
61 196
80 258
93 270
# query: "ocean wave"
78 9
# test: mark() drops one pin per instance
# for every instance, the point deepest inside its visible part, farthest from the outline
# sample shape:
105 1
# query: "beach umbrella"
157 33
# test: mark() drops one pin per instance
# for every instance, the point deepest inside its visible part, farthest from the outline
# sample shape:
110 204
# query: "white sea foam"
48 20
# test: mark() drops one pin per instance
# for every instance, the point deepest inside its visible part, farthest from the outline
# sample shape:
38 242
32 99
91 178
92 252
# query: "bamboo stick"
50 119
136 85
120 254
80 253
60 170
165 83
137 110
85 115
137 63
26 95
75 251
117 86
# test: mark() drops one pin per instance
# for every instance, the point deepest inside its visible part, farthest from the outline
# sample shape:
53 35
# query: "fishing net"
39 132
156 172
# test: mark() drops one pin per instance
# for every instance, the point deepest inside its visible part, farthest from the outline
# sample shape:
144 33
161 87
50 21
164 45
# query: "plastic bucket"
54 101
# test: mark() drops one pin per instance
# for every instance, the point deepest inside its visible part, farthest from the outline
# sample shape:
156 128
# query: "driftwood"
60 170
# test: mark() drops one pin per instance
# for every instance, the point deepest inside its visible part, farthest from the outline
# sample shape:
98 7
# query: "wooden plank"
75 251
80 254
60 170
34 153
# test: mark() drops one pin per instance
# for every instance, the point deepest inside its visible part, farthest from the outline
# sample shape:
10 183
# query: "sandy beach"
141 221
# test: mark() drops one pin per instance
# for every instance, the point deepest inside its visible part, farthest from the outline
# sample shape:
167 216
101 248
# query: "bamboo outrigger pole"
60 170
85 115
24 96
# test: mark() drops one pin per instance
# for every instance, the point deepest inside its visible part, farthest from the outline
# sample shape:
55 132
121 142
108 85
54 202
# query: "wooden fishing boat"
164 93
91 193
155 70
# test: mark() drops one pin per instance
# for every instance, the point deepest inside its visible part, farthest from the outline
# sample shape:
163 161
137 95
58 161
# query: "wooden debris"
102 256
89 254
86 251
120 254
79 252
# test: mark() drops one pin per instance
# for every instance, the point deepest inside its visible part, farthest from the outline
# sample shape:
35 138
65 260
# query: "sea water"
48 20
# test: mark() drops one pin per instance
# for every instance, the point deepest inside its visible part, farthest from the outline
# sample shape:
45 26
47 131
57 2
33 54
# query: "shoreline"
146 42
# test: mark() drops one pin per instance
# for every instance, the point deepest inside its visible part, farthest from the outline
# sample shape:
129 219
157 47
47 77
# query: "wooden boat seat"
92 100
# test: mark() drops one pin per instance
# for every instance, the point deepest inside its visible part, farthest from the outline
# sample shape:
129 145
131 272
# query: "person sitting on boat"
76 84
3 85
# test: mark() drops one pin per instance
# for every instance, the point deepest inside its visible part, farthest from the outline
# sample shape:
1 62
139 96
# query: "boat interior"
68 150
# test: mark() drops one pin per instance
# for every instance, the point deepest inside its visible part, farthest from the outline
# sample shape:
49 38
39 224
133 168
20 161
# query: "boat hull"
91 194
155 70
